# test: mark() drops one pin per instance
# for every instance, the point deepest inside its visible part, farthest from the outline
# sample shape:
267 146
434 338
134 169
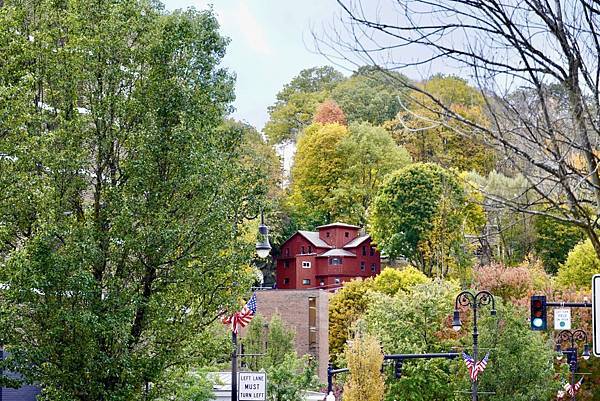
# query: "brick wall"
293 307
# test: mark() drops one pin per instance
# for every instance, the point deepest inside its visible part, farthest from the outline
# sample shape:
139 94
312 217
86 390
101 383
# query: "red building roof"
333 254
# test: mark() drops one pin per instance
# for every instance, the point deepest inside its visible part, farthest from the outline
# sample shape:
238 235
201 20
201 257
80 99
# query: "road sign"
252 386
596 314
562 319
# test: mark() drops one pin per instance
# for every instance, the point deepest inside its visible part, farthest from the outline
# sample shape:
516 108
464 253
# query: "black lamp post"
263 247
572 337
475 301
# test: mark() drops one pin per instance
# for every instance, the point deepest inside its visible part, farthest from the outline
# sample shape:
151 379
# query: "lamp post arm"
580 335
465 298
567 335
485 298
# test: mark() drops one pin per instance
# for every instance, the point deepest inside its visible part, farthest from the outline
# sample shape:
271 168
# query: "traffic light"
398 369
539 320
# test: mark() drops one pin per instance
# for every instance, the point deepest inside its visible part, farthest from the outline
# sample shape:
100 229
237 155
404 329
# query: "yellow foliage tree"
365 358
345 307
318 165
390 280
429 136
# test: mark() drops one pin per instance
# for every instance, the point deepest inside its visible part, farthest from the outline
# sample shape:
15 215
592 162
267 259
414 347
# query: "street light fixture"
572 337
586 352
456 323
262 250
263 247
475 302
559 354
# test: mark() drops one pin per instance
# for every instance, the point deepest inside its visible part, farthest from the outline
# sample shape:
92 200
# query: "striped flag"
469 362
571 390
243 317
475 368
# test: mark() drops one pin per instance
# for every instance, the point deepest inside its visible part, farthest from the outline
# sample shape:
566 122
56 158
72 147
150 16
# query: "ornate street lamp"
475 302
263 248
572 337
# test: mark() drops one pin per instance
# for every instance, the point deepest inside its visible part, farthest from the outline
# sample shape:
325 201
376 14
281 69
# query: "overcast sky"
270 44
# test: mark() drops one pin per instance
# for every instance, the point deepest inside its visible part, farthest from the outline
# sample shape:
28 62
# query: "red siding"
320 270
337 235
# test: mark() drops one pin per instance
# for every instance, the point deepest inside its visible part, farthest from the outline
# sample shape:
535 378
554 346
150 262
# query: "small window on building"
337 281
335 261
312 323
364 250
286 263
309 249
306 265
327 235
362 266
286 281
302 251
373 267
287 251
306 281
346 234
372 251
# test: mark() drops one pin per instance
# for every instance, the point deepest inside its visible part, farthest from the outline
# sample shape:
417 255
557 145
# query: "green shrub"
554 240
391 280
581 264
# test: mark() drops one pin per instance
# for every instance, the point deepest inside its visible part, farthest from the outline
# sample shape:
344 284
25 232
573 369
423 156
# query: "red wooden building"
326 258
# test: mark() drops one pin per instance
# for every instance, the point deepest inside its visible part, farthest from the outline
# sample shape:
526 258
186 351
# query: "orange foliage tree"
329 112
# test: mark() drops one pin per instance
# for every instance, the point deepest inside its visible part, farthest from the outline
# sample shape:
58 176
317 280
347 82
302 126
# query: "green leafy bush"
291 377
581 264
424 326
419 214
554 240
390 280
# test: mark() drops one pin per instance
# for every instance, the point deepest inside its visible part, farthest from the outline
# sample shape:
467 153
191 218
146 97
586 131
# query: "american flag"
571 390
475 368
243 317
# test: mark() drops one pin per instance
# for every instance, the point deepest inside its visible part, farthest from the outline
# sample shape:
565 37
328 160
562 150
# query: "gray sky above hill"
270 44
272 41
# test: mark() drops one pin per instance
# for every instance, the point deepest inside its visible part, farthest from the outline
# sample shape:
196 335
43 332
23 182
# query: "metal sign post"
595 315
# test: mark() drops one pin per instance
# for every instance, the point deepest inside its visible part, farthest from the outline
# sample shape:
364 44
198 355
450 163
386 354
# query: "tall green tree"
289 375
425 327
318 166
123 206
368 154
297 102
370 95
554 240
510 342
420 214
